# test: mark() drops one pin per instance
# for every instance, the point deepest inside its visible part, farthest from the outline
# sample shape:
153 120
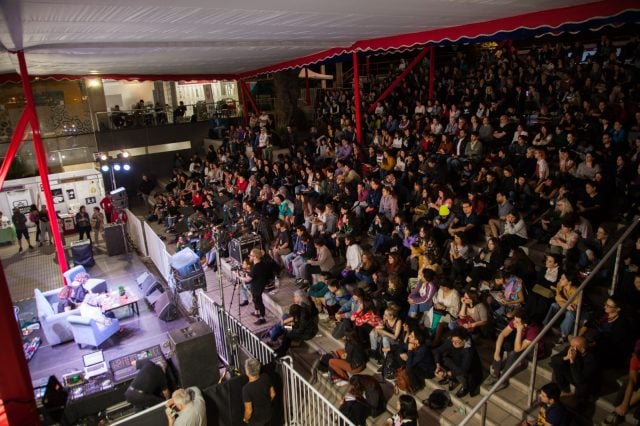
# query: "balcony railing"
159 116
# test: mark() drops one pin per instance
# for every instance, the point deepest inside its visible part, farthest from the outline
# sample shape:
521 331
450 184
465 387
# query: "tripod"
231 339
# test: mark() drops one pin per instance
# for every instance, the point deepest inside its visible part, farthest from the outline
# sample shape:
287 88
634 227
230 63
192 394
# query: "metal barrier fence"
225 326
304 404
533 347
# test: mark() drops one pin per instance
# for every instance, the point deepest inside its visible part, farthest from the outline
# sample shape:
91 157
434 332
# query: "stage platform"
36 269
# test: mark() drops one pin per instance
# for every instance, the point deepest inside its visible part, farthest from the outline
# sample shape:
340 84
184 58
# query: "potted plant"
121 291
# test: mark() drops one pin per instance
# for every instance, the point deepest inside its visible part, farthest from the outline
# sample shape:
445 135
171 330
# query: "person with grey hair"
186 408
257 395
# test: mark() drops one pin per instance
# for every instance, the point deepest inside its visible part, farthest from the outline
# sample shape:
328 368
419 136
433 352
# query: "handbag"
543 291
437 316
389 366
465 320
402 382
341 329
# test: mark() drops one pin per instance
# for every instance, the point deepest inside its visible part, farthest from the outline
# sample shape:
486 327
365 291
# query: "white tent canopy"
81 37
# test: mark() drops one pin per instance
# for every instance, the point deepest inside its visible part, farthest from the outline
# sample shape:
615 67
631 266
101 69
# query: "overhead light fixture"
126 167
103 157
93 82
125 154
116 167
94 72
104 168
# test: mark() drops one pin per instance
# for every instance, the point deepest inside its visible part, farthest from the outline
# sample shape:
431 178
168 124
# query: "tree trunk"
286 91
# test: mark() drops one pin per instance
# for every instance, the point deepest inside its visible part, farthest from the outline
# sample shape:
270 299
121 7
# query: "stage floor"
35 269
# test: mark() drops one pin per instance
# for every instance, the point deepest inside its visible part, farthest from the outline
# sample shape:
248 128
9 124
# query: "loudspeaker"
154 294
165 308
114 236
82 253
119 198
239 248
195 355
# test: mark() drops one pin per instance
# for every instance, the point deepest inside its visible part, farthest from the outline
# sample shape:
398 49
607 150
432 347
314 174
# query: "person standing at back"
97 223
20 222
83 223
257 395
45 228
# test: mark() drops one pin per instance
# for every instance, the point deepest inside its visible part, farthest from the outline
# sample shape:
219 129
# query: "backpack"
438 400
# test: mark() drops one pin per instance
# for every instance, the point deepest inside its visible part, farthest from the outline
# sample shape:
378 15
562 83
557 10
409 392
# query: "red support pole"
399 78
14 145
16 390
247 94
41 158
307 92
432 71
356 97
245 107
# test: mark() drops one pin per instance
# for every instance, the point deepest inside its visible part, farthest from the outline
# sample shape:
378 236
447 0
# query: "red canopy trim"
299 62
15 78
553 18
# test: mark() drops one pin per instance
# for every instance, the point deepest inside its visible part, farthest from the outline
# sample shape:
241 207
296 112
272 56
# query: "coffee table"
113 301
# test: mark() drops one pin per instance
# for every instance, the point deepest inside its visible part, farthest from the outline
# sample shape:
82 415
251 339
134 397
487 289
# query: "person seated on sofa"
65 302
91 308
79 291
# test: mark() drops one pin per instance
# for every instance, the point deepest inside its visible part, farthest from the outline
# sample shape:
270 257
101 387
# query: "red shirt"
106 204
196 200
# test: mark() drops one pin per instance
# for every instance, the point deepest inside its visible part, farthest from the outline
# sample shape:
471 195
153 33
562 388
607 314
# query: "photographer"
186 408
258 277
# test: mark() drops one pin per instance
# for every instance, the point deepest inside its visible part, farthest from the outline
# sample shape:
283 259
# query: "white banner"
135 230
157 251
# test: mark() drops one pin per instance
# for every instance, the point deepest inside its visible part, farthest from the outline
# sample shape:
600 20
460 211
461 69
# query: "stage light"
126 167
116 167
103 157
125 154
104 168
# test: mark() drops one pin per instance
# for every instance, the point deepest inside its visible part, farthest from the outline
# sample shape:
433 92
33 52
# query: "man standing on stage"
107 206
258 278
257 395
149 387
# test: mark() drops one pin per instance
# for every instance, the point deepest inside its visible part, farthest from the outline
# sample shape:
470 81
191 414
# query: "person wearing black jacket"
305 326
457 361
578 367
354 406
372 392
258 277
418 359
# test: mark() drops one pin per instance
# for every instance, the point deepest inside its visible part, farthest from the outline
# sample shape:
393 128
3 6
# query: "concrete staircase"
506 407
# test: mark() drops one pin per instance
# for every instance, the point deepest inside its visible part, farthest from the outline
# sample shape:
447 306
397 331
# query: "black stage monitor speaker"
119 198
165 308
114 236
195 355
239 248
82 253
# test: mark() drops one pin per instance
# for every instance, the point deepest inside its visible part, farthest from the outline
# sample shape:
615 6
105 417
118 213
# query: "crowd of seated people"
420 239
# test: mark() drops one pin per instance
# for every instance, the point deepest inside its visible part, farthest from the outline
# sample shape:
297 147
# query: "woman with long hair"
407 414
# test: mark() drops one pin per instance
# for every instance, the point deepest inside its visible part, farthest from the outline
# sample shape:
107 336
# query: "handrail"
297 406
546 328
